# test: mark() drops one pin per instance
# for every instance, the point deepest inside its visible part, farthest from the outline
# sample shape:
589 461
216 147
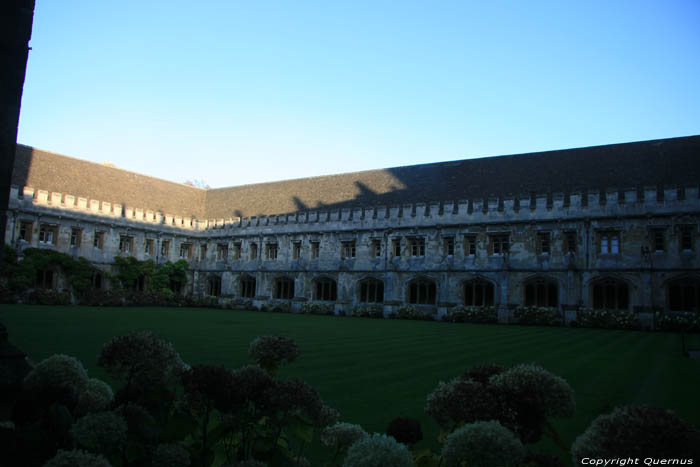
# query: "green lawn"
375 370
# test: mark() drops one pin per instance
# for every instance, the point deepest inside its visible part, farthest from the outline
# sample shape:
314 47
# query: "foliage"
47 297
405 430
367 311
270 352
537 315
607 319
101 432
638 431
687 321
464 401
471 314
22 274
158 278
75 458
171 455
317 308
96 397
486 444
58 372
378 451
411 312
341 436
483 373
277 306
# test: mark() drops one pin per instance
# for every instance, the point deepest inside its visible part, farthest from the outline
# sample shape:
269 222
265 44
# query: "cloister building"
612 227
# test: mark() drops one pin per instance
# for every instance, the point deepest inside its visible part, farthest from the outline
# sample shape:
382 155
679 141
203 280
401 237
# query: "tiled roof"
43 170
669 162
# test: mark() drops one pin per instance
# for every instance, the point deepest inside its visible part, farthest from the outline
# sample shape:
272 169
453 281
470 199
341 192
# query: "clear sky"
236 92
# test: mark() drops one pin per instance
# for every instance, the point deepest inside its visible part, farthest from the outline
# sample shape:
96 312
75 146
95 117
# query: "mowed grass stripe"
375 370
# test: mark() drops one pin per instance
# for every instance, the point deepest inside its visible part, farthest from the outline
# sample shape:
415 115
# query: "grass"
375 370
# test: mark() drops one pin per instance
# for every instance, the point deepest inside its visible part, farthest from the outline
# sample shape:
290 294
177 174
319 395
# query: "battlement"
537 207
28 197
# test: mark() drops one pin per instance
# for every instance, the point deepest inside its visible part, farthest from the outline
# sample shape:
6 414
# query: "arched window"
610 294
214 286
422 292
478 292
326 289
45 279
371 291
284 288
97 279
684 294
541 292
246 287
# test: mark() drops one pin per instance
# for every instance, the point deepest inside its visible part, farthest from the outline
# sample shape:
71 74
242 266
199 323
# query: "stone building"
612 227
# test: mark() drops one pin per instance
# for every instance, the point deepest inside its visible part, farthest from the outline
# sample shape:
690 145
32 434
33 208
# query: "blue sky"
234 92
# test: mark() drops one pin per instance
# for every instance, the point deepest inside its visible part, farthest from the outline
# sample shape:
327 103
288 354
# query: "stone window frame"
26 230
271 251
253 251
370 290
470 244
499 243
203 251
478 287
98 239
609 241
544 242
46 278
570 241
76 237
416 246
187 248
237 249
375 248
315 249
165 248
686 238
148 246
422 290
284 288
348 249
657 239
448 245
296 249
687 296
540 291
325 289
247 286
396 247
126 244
222 252
609 293
213 285
48 233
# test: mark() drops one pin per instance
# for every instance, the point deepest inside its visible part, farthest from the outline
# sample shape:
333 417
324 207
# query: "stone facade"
634 249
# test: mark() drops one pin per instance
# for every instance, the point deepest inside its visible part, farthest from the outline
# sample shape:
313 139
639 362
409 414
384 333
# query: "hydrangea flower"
100 432
170 455
96 397
270 352
342 435
486 444
378 451
75 458
58 372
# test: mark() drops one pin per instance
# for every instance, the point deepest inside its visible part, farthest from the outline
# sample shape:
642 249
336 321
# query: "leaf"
425 458
301 429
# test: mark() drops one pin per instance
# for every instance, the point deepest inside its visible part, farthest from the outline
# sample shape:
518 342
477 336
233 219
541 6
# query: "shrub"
75 458
59 374
483 373
170 455
638 431
241 304
405 430
272 351
534 394
378 451
316 308
687 321
367 311
607 319
103 432
48 297
95 398
486 444
101 297
342 435
411 312
542 316
472 314
277 307
464 400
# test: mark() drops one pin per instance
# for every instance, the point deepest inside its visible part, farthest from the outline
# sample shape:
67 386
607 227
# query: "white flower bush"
342 435
58 372
77 458
100 431
378 451
486 444
95 398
